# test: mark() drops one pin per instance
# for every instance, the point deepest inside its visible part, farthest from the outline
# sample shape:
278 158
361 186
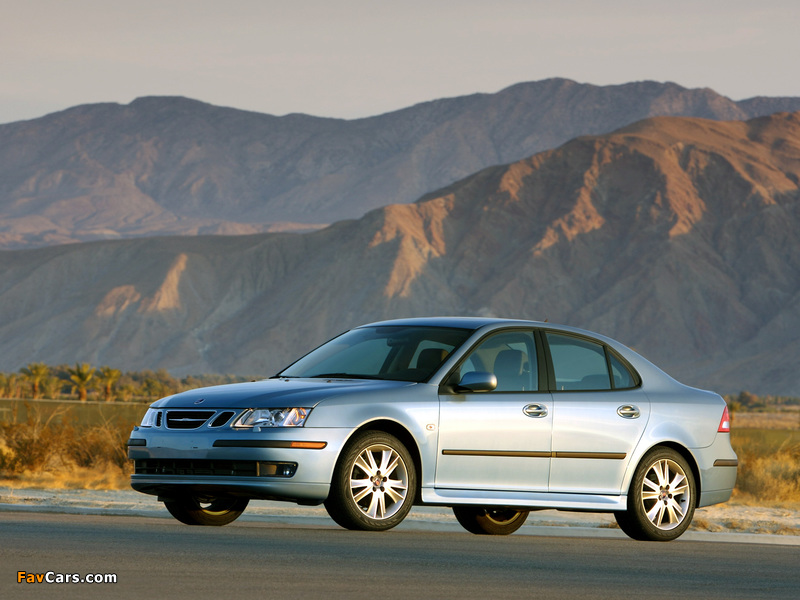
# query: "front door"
498 440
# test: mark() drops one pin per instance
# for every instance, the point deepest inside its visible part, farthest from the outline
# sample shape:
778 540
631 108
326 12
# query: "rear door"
599 415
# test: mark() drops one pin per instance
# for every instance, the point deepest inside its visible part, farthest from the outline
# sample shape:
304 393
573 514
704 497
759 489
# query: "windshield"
390 352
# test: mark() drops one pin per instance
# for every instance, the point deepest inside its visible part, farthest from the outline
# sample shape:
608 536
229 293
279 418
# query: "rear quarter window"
623 378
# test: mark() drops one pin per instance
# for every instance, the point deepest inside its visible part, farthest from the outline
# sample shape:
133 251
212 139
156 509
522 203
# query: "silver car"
491 417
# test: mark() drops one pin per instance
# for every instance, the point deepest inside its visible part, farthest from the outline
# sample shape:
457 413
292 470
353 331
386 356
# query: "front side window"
511 356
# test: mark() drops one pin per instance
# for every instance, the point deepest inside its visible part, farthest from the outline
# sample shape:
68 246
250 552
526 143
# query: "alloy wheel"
666 494
379 481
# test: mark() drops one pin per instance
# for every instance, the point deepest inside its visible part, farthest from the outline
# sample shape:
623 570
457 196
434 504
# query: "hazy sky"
355 58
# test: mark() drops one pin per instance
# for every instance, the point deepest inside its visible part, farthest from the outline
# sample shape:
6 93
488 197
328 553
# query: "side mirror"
477 381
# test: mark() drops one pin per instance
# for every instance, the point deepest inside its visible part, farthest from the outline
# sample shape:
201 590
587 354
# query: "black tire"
374 483
490 520
200 510
661 499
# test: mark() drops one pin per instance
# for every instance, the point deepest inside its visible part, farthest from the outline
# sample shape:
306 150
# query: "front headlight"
152 418
273 417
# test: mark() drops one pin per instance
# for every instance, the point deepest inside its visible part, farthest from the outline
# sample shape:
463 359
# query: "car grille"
222 418
213 468
188 419
218 468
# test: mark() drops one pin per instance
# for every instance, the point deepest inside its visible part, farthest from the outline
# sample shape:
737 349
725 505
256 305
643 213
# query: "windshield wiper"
344 376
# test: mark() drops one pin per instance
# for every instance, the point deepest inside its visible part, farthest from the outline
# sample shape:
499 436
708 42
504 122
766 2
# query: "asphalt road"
159 558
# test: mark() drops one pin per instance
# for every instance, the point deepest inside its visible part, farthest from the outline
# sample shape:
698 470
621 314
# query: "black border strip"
496 453
525 454
597 455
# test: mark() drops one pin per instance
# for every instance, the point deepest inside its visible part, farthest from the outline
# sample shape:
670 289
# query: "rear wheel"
373 484
662 498
205 510
490 520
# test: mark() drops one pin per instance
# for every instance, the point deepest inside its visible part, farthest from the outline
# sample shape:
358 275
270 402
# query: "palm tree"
80 377
12 385
35 373
51 386
107 379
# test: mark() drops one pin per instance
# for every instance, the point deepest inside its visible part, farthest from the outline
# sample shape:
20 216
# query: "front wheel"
490 520
373 484
202 510
661 499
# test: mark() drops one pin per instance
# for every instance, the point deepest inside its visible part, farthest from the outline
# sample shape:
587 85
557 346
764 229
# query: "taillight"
725 422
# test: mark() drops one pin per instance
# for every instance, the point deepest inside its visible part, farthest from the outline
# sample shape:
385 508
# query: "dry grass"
72 478
740 525
769 467
772 480
41 452
785 419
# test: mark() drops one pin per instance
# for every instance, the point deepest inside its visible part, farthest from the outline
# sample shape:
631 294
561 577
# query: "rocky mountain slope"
677 236
176 166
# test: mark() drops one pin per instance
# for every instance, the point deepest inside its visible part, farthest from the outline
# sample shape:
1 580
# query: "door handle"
628 411
535 411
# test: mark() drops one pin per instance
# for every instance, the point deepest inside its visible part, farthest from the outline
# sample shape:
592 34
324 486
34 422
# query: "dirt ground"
731 517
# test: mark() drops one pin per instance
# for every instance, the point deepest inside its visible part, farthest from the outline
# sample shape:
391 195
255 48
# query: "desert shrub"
769 466
28 446
99 445
37 446
33 444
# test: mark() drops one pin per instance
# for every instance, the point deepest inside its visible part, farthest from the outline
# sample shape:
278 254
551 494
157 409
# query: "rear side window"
578 364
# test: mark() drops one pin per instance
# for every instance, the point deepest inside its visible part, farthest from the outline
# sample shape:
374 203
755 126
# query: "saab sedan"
492 417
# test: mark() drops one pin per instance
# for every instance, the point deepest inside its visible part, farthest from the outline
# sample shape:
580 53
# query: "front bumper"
293 464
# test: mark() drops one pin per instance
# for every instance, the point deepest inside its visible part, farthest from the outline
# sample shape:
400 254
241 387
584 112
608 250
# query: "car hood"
274 393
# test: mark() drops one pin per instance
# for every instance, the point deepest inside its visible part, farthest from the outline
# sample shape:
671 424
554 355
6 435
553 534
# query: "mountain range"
677 236
170 165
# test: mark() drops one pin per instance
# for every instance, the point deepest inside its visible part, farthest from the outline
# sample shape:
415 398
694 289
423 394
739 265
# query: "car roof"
456 322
